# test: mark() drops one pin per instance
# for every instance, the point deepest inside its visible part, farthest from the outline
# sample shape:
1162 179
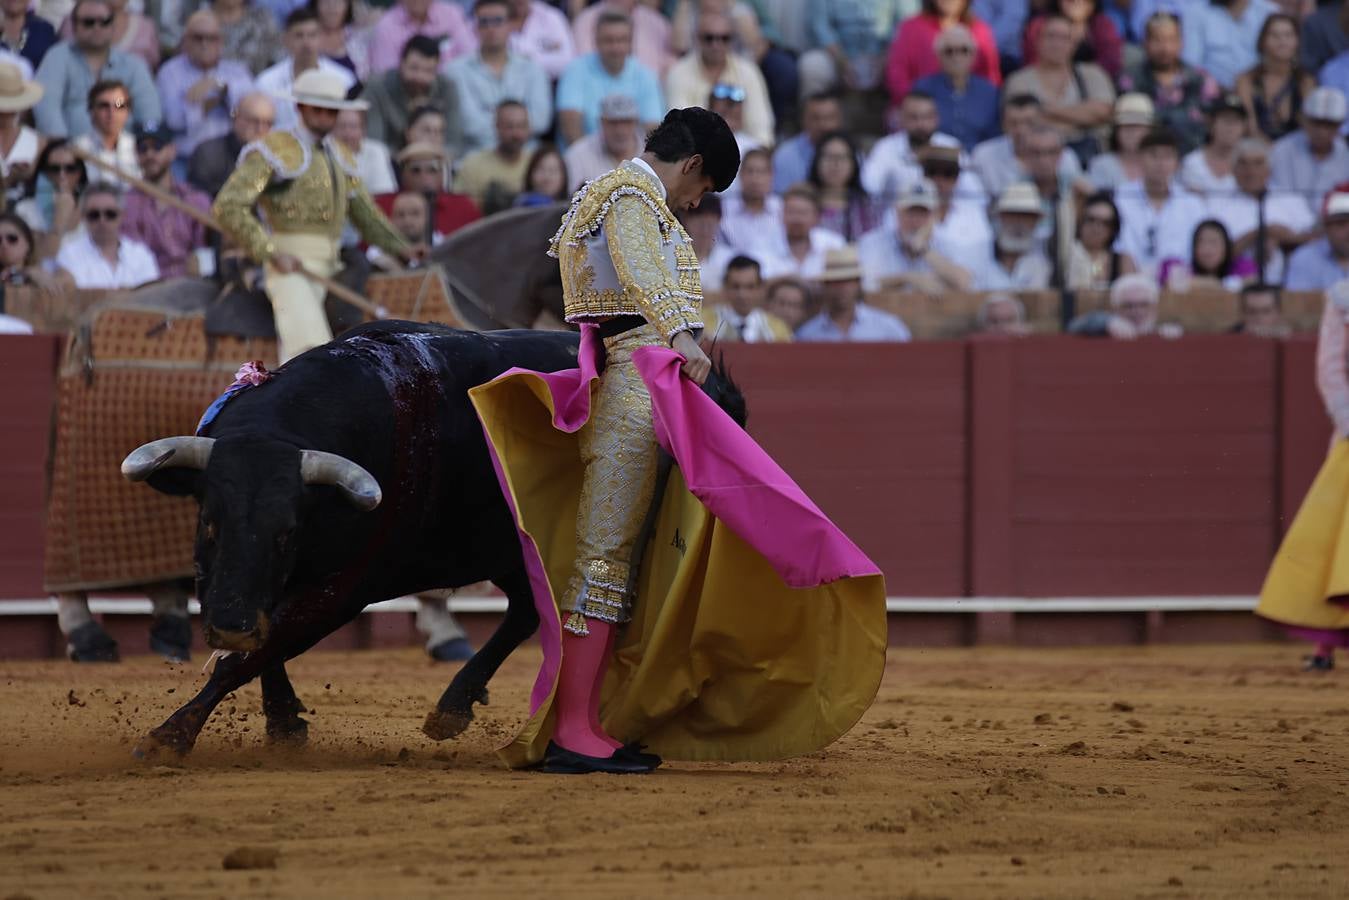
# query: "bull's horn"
183 452
356 484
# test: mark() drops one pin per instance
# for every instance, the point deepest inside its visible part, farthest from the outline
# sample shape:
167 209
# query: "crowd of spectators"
1126 147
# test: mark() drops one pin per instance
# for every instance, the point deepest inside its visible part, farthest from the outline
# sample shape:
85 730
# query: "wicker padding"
133 375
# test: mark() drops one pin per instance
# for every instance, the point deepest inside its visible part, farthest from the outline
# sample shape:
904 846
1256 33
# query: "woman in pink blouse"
912 55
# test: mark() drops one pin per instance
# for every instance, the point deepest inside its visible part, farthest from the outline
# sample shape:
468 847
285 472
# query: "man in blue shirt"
820 115
72 67
611 69
1324 262
967 104
845 317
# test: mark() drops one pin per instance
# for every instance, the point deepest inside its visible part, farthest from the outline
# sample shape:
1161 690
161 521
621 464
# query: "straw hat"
16 95
325 90
1134 109
1020 197
841 264
420 150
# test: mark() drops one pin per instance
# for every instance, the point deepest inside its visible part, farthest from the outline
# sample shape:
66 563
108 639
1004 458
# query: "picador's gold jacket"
622 252
302 188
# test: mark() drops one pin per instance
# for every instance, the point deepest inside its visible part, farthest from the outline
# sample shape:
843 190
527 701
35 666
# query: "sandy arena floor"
1139 772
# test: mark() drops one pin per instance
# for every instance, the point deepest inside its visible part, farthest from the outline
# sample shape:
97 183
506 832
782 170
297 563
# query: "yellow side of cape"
1312 564
722 661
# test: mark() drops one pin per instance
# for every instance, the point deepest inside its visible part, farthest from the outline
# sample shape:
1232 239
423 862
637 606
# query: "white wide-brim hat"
324 90
16 94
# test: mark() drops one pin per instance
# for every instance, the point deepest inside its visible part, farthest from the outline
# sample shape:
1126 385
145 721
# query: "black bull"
294 539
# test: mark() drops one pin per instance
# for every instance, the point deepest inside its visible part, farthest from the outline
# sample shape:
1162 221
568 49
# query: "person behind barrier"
177 240
845 316
1324 262
306 184
1262 312
1132 314
100 258
742 318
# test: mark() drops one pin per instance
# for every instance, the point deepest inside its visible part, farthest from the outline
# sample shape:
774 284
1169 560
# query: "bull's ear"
176 482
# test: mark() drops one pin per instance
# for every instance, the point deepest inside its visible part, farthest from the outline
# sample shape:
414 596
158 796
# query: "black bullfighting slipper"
561 761
1318 663
636 752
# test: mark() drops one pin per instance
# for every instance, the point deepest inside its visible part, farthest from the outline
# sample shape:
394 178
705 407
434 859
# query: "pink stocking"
584 662
1326 650
598 689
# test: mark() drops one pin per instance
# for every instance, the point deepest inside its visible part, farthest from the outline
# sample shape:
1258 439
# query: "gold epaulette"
591 204
284 152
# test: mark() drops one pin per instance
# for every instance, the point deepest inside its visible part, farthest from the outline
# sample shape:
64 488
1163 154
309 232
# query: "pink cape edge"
723 467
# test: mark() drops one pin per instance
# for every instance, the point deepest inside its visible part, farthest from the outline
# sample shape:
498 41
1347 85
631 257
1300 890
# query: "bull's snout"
239 637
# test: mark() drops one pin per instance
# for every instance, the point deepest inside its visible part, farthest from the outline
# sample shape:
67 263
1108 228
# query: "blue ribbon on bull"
250 374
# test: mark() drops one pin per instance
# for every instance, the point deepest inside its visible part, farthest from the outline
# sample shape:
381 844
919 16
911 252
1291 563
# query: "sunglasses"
63 168
708 38
492 21
11 238
107 215
205 38
91 22
956 51
731 92
106 105
941 171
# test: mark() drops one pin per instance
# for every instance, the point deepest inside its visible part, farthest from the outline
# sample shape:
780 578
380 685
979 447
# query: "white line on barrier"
140 606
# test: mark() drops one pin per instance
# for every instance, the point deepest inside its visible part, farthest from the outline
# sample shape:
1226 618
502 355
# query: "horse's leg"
178 734
282 708
454 712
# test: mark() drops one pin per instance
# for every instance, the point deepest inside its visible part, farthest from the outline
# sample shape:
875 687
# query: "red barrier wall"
1041 467
27 395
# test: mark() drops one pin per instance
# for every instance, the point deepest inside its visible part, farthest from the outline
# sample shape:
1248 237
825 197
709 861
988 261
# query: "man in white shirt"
893 162
99 257
1157 218
1287 221
901 256
617 139
302 54
806 242
751 221
742 318
690 81
1003 160
1313 159
1016 264
373 163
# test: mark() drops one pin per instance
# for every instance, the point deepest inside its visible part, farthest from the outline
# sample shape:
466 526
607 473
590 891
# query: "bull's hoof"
161 748
171 638
293 732
443 724
90 643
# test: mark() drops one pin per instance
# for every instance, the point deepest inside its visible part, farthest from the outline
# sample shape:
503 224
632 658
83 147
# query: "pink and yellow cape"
759 631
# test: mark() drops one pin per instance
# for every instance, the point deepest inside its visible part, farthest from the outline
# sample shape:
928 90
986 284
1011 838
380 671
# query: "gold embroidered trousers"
620 453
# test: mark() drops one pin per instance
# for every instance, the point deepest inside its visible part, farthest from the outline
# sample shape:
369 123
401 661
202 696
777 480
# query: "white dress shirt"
1149 234
1239 214
86 264
123 156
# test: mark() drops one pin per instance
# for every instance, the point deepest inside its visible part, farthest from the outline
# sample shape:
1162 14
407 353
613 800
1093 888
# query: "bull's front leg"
177 736
454 712
282 708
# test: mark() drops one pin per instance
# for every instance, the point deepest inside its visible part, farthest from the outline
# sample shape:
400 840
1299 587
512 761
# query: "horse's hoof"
443 724
159 750
293 731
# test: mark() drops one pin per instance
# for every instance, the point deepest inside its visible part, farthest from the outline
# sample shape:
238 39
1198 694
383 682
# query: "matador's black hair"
695 130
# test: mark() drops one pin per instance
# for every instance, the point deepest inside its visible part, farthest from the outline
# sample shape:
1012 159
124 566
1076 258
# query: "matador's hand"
696 364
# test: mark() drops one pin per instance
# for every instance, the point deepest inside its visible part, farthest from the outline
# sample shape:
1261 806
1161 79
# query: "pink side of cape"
723 467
